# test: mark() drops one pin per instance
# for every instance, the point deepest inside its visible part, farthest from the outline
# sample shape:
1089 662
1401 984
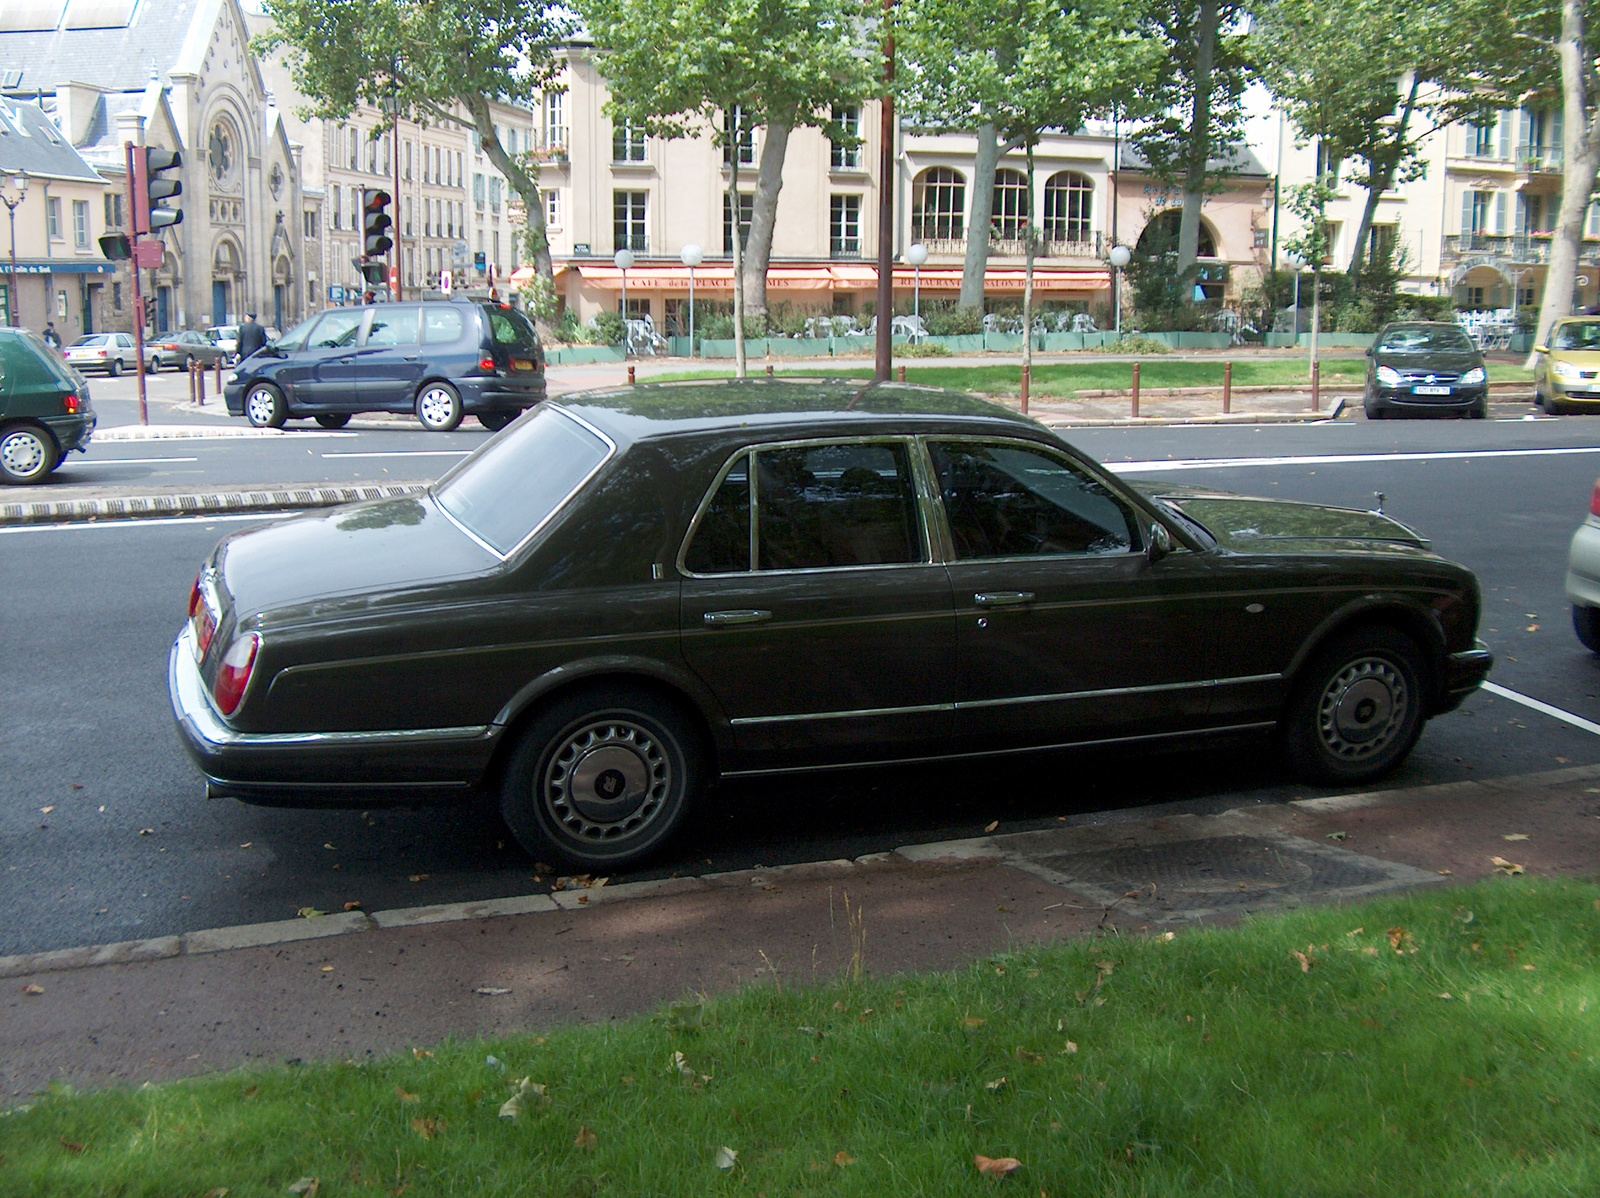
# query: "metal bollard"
1227 387
1136 390
194 390
901 376
219 378
200 382
1316 386
769 370
630 376
1027 377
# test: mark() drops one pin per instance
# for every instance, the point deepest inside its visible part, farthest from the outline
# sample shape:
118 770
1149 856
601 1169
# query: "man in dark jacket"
251 336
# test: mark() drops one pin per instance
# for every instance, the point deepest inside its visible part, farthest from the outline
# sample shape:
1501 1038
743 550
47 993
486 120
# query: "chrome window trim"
916 709
906 441
611 452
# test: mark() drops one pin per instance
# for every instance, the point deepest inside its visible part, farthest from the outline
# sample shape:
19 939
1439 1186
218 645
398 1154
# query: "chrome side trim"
917 709
1260 726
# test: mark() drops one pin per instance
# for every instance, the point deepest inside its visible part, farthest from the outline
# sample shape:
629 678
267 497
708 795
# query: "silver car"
180 349
111 353
1583 576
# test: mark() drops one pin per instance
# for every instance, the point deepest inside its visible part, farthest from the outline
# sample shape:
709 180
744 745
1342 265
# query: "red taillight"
233 675
487 366
102 353
195 597
1594 500
70 402
202 620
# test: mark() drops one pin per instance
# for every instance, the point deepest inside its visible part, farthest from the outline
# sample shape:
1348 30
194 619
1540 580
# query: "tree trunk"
977 259
764 217
1199 148
740 369
1581 156
527 188
1381 182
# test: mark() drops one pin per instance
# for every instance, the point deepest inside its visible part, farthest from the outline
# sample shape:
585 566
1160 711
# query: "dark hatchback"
630 593
44 408
1425 368
439 360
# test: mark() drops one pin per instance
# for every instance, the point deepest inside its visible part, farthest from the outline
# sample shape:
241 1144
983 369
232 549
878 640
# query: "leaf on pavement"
843 1159
1515 836
990 827
996 1166
586 1139
1338 836
1505 867
33 990
47 810
353 905
147 831
725 1158
309 913
428 1128
492 990
307 1187
419 877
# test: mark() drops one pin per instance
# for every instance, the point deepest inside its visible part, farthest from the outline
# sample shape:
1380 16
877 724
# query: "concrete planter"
755 347
1280 341
1002 342
1204 340
959 343
800 347
1061 342
579 355
1337 340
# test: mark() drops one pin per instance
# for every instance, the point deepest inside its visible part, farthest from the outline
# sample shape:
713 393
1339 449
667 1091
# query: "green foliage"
1133 343
788 320
1162 296
1170 139
609 328
947 319
719 326
922 349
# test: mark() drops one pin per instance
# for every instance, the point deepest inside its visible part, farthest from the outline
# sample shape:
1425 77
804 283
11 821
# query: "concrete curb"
1054 421
259 935
146 507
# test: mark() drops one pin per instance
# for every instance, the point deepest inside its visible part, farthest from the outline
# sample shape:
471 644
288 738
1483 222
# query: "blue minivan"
439 360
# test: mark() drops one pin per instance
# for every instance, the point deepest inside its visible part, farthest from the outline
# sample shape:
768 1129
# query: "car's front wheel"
27 454
439 407
602 778
264 406
1357 708
1586 623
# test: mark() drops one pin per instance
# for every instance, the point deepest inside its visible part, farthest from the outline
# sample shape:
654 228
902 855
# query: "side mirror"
1160 543
1371 350
1541 349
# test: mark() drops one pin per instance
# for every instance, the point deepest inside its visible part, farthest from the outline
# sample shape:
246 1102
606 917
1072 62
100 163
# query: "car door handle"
412 357
723 619
1002 598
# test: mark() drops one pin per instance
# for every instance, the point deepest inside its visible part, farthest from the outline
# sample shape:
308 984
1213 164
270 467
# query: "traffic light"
375 223
151 192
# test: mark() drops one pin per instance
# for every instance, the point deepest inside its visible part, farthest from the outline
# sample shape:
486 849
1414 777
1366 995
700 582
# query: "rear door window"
721 542
393 326
441 324
511 329
824 506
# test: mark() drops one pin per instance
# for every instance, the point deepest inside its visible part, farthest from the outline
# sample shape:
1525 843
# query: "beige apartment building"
607 187
1477 225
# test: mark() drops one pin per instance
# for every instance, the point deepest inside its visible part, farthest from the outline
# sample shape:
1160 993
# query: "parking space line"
1339 459
102 525
1566 717
403 453
128 461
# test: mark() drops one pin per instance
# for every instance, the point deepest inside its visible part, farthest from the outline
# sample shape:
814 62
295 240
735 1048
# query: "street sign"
148 253
446 283
458 253
336 294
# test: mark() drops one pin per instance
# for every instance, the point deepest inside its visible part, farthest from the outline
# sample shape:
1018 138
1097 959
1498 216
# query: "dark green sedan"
629 593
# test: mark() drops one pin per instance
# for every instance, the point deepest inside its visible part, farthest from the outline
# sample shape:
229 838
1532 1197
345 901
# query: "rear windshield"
510 489
512 329
96 339
1419 338
1578 336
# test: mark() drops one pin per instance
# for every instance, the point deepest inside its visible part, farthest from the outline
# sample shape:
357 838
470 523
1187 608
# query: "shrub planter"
1204 341
578 355
755 347
1002 342
800 347
959 343
1061 342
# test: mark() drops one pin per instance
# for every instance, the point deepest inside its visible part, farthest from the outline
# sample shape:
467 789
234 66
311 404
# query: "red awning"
832 277
858 278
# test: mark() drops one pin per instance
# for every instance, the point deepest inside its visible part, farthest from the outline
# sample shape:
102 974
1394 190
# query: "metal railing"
844 247
1539 158
1529 249
639 243
1015 247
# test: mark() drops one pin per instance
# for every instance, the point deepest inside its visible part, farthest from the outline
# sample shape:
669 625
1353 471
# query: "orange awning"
711 278
856 278
832 277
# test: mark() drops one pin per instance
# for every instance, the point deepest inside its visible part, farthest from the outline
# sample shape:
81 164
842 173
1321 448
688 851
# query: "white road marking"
403 453
87 525
127 461
1339 459
1566 717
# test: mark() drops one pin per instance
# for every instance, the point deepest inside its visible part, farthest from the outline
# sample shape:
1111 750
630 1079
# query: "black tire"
1357 707
553 794
1586 623
333 419
27 454
115 367
264 406
153 366
1480 410
1374 413
439 407
495 421
188 363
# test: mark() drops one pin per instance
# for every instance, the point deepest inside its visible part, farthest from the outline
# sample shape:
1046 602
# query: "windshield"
511 488
1578 336
293 339
96 339
1420 338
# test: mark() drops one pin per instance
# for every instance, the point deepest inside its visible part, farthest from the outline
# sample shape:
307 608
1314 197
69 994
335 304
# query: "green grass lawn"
1438 1045
1064 380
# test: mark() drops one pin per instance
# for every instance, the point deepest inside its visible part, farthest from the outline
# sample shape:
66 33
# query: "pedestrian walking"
51 337
251 337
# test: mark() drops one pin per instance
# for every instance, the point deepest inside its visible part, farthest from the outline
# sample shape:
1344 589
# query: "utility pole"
885 343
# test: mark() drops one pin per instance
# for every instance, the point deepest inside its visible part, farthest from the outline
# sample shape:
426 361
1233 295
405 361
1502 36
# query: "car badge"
1430 378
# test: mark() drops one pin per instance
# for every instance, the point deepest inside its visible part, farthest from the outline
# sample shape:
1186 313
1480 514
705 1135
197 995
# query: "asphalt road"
130 847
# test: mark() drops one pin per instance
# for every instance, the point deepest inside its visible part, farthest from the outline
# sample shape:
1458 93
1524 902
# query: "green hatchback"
44 408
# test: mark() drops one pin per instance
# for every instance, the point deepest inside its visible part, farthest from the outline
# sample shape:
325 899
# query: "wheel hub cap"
1362 708
22 453
435 407
606 780
260 406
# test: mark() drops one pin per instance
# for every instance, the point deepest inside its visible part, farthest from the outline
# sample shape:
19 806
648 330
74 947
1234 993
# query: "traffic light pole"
395 281
138 295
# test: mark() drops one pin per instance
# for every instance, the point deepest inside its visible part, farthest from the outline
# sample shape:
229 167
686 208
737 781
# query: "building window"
1476 212
847 154
747 138
1068 207
52 217
408 161
309 219
627 143
1481 139
1011 208
511 141
555 121
938 205
336 217
461 177
353 137
113 203
1328 163
411 269
552 209
372 156
477 190
408 216
116 297
494 193
80 224
747 203
844 226
628 220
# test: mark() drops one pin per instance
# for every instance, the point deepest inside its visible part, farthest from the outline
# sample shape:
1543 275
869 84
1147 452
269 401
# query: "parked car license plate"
521 364
1431 390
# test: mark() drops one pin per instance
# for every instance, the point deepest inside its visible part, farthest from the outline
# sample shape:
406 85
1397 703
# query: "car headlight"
235 377
1388 376
1565 371
1474 376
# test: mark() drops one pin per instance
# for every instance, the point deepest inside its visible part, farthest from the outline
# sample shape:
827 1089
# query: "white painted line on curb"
1340 459
79 525
403 453
1566 717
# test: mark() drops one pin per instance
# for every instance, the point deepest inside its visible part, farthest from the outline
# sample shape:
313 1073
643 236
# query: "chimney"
130 127
76 104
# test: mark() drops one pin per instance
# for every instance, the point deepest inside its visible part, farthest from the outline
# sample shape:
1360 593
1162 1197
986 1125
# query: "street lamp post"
1119 257
1297 264
21 184
624 261
692 256
916 254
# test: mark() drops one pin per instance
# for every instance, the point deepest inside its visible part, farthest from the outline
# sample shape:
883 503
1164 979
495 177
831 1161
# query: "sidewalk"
376 984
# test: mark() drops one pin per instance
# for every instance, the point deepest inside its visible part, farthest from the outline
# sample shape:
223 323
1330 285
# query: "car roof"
783 406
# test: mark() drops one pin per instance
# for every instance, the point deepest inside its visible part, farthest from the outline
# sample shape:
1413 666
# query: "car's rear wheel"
495 421
602 778
264 406
27 454
1586 623
439 407
1357 707
188 363
115 367
334 419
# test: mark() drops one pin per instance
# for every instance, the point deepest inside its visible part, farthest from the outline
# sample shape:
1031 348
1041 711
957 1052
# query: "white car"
1583 576
226 338
109 352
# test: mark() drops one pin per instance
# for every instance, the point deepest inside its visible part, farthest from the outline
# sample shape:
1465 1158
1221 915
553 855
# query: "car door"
812 609
1067 630
322 374
390 363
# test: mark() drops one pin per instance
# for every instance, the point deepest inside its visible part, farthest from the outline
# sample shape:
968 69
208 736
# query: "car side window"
821 506
721 542
441 324
393 326
1011 501
336 330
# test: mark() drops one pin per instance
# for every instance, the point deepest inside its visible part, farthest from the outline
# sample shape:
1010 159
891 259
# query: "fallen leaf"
1354 932
327 969
245 845
1515 836
991 826
33 989
326 845
1505 867
419 877
1028 1057
1169 936
147 831
405 1095
216 1192
1533 628
309 913
422 1054
1305 961
973 1021
1072 1047
307 1187
999 1083
47 810
353 905
1530 968
1463 915
1370 951
725 1158
72 1146
1396 936
428 1128
586 1139
528 1093
492 990
843 1159
997 1167
1338 836
1446 996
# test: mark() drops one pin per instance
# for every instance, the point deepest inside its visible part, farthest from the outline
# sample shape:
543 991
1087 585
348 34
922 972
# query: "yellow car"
1566 377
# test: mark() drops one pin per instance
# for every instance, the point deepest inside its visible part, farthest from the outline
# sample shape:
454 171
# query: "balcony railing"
1047 247
845 247
1536 158
1529 249
639 243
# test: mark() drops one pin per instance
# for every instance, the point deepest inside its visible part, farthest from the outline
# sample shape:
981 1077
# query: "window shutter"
1525 131
1593 229
1505 134
1558 125
1466 214
1500 212
1522 215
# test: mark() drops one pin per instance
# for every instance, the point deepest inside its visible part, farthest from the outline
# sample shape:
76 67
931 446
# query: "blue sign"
336 294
